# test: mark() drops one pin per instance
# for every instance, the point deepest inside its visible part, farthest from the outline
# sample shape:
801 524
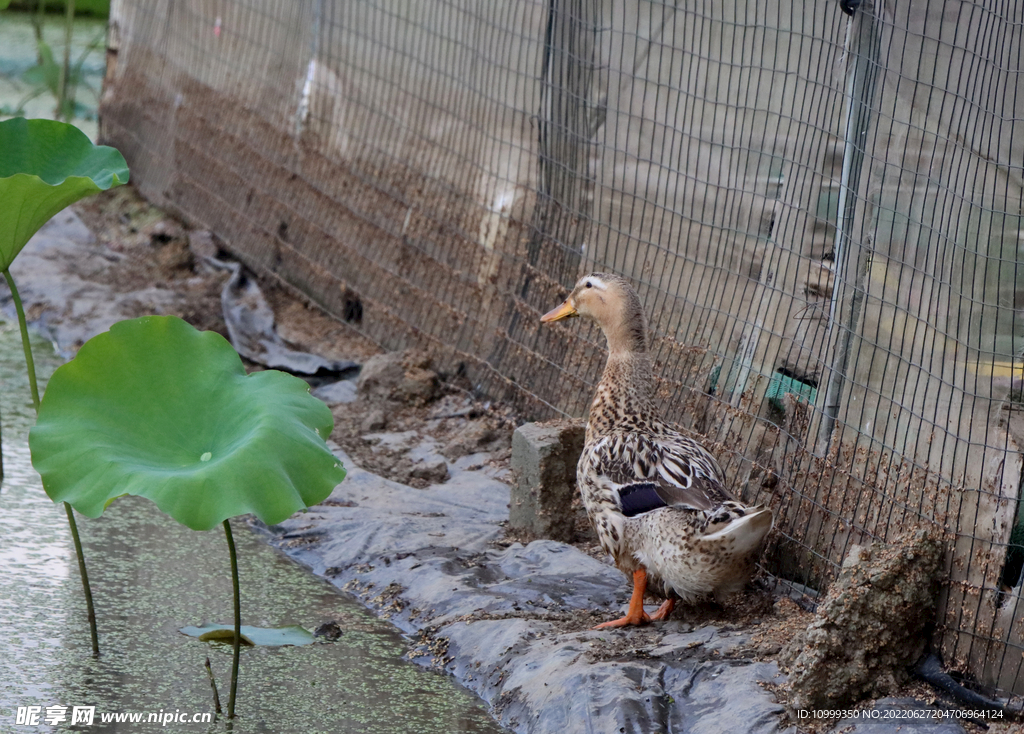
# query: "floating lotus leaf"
45 166
155 408
257 636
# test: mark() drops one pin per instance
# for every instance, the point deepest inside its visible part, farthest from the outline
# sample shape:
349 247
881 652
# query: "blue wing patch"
639 498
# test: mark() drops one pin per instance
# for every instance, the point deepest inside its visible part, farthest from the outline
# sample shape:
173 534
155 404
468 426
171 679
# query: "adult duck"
657 499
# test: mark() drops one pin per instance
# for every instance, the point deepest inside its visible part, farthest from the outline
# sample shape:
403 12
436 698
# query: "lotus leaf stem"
85 580
63 112
1 454
34 386
238 619
23 325
213 685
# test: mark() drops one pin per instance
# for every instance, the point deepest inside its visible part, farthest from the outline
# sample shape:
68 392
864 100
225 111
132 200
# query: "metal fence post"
851 261
566 129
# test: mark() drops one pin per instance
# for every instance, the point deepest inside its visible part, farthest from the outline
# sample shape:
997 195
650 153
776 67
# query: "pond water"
151 577
19 52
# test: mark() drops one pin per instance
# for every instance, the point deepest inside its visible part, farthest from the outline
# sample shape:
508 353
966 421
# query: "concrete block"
544 457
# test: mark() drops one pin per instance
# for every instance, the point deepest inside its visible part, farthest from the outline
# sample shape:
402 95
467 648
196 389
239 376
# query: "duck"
656 498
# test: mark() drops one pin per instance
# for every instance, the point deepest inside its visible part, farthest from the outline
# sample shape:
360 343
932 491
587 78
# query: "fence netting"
822 213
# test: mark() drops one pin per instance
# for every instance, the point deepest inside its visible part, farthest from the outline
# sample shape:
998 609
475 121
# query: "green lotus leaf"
258 636
45 166
155 408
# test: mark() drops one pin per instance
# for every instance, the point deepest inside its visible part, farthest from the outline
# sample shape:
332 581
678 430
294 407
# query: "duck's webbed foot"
664 610
635 615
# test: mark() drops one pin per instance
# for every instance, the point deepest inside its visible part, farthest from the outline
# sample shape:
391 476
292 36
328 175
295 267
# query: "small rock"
329 631
381 374
404 376
164 231
375 420
476 436
202 244
544 457
435 471
419 386
174 255
401 471
336 393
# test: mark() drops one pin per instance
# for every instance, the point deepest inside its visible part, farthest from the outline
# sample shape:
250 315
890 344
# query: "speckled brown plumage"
680 533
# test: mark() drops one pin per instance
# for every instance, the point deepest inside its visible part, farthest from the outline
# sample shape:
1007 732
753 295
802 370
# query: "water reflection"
150 577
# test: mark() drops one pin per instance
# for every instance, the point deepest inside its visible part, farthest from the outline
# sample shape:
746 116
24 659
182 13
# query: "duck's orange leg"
635 614
664 610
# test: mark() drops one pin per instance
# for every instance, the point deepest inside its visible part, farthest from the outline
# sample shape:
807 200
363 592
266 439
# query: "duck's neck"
624 396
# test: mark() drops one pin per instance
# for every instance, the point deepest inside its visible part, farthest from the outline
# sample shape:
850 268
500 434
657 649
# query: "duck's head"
613 303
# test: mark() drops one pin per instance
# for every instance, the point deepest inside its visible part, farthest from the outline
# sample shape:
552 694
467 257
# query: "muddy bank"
512 623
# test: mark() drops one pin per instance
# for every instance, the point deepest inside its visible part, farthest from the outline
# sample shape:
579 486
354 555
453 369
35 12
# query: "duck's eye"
587 285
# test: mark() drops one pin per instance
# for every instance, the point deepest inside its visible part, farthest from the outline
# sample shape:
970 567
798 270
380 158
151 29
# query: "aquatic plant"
61 78
44 167
158 409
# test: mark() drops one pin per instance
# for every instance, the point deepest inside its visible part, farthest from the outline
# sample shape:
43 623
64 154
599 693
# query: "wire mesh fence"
823 216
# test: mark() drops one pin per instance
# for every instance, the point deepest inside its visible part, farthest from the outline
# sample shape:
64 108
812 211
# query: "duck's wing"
648 471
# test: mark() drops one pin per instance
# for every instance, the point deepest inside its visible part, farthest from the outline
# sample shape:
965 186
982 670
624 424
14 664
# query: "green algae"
152 577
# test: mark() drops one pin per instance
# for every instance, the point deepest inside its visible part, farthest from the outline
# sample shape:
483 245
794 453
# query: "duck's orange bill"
563 311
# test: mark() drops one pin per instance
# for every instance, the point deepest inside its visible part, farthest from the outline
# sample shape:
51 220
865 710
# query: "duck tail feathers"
747 531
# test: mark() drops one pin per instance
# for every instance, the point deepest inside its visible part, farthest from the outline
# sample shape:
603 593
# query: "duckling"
656 498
